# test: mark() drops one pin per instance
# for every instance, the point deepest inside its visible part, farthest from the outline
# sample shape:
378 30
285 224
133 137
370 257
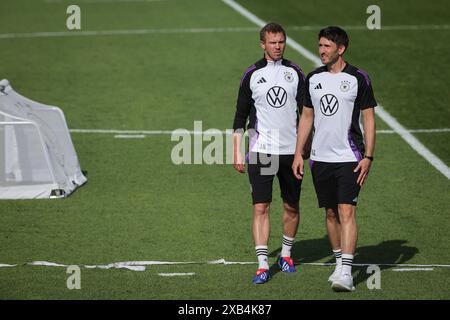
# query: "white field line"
129 136
380 264
412 269
176 274
121 32
141 265
413 142
113 131
440 130
130 265
51 34
142 133
417 27
383 114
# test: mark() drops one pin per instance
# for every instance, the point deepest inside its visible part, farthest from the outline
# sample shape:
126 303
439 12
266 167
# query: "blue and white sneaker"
286 264
262 276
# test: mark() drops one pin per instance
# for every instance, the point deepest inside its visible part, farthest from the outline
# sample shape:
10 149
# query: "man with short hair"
270 94
336 94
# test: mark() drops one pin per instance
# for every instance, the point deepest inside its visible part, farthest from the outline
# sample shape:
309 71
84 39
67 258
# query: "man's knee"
291 209
346 213
332 215
261 209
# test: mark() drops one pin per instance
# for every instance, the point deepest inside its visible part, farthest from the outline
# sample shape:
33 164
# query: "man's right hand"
238 162
297 167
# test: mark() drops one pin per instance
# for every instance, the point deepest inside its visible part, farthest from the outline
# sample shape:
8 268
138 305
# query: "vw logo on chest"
329 104
276 97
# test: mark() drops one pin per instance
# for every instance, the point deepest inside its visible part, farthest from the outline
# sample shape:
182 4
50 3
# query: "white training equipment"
37 156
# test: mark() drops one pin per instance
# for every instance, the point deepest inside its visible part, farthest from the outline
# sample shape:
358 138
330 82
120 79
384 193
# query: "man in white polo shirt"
270 96
336 94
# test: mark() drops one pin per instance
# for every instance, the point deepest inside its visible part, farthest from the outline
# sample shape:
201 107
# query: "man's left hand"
363 167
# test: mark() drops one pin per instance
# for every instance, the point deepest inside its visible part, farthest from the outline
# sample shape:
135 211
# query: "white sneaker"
343 284
336 274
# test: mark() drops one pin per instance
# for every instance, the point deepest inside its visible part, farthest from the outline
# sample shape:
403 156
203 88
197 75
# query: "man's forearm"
237 140
369 131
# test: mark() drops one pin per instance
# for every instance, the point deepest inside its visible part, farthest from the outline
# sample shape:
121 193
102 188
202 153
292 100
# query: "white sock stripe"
337 254
260 254
286 247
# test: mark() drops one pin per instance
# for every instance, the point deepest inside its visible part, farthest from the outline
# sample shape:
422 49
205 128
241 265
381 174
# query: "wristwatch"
369 157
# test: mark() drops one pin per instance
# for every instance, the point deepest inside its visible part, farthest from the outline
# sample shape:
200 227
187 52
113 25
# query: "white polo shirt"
270 96
337 99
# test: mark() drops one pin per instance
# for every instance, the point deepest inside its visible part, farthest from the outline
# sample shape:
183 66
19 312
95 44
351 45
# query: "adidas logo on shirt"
319 86
262 80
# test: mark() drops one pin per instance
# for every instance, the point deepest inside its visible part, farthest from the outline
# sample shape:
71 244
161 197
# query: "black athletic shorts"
262 169
335 183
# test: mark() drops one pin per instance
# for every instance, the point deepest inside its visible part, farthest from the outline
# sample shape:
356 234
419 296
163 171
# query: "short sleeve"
307 96
365 98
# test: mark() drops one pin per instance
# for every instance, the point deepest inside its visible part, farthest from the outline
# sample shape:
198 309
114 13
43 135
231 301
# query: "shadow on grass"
386 252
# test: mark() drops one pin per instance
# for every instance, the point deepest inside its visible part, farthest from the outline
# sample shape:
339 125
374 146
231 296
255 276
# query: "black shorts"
262 168
335 183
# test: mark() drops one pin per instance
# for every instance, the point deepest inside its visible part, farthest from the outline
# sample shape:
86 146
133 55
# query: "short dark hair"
271 27
335 34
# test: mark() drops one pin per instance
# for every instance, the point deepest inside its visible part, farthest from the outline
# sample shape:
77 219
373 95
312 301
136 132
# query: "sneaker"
343 284
262 276
336 274
286 264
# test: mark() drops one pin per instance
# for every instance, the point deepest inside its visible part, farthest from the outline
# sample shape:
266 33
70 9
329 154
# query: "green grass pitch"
138 205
